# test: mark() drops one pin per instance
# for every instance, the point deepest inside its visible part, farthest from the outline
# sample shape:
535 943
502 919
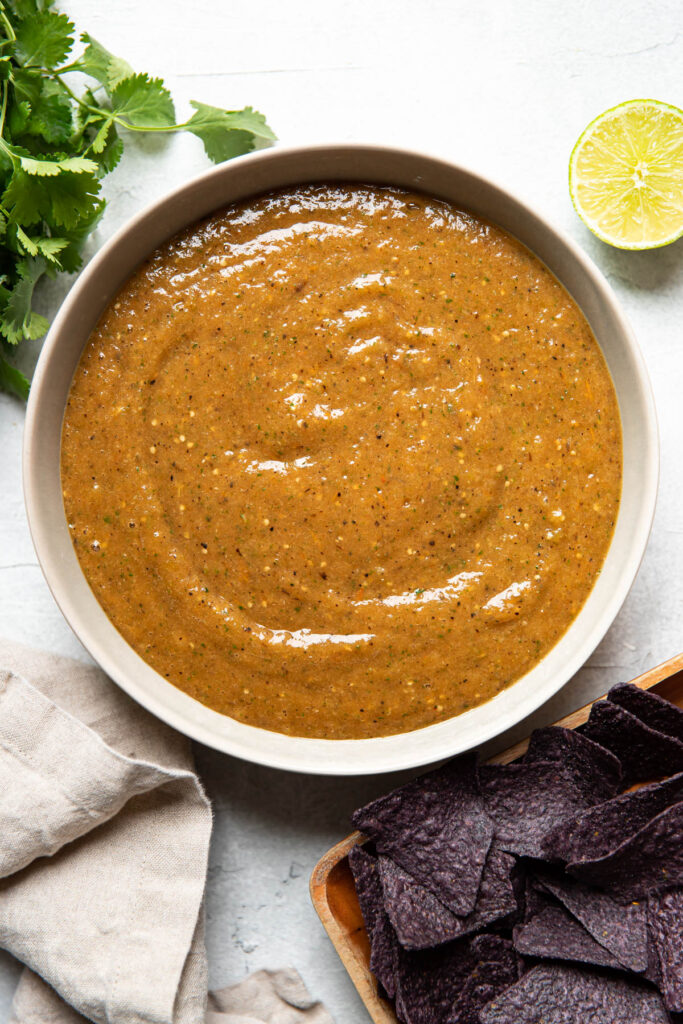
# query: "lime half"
626 175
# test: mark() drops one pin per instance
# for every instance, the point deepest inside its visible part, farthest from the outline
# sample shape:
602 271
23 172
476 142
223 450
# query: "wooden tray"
333 892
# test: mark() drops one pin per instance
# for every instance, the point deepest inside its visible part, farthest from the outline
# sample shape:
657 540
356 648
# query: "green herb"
59 136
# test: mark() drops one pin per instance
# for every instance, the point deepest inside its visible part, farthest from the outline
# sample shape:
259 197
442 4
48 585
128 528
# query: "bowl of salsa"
340 459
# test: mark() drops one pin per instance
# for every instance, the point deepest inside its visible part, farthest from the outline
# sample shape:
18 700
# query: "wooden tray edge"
380 1011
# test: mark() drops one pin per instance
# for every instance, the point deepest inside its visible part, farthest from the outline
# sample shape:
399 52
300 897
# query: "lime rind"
626 175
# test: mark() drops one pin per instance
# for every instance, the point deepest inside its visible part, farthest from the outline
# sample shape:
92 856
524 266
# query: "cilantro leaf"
99 143
25 198
71 197
25 8
61 200
100 64
13 380
18 321
27 244
227 133
50 168
143 102
248 120
70 258
94 61
50 114
50 248
118 70
19 117
28 84
112 152
220 146
43 39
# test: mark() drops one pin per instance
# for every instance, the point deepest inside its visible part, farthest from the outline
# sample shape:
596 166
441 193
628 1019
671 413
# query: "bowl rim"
296 753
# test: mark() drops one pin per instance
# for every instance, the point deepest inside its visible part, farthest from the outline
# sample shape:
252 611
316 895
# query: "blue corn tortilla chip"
491 948
649 861
421 921
433 983
650 708
665 923
430 981
474 995
596 832
526 801
364 869
582 754
384 947
437 830
560 994
621 928
418 918
555 934
653 972
536 899
645 753
485 982
385 955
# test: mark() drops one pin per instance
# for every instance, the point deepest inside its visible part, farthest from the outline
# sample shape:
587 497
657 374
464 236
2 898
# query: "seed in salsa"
342 461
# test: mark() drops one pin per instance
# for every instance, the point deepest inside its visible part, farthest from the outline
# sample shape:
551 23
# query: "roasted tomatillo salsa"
342 461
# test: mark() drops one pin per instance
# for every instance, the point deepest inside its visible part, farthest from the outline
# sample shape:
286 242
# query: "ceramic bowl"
237 180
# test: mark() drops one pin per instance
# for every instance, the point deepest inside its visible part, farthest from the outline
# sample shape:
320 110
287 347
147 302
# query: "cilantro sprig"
59 137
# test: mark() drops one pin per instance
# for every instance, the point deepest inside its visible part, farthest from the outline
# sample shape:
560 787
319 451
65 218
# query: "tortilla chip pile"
537 892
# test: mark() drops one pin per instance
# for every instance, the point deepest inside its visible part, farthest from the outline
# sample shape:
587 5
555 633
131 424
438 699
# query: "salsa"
342 461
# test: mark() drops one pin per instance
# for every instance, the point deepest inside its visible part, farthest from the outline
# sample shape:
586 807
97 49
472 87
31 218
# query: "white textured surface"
504 87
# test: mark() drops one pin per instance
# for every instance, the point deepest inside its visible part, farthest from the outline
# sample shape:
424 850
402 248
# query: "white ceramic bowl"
234 181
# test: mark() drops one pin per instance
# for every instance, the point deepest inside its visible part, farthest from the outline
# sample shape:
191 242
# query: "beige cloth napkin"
265 997
104 839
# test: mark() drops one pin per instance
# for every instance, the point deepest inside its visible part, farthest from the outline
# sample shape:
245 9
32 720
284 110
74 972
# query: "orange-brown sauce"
342 461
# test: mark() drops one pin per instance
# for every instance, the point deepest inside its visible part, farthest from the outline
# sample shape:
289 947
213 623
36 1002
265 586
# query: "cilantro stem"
103 113
4 108
74 97
155 128
10 153
7 23
73 66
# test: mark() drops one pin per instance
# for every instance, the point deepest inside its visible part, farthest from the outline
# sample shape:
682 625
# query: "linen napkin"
265 997
104 839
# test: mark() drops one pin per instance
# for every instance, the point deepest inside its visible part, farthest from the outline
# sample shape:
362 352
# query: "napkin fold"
104 840
264 997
